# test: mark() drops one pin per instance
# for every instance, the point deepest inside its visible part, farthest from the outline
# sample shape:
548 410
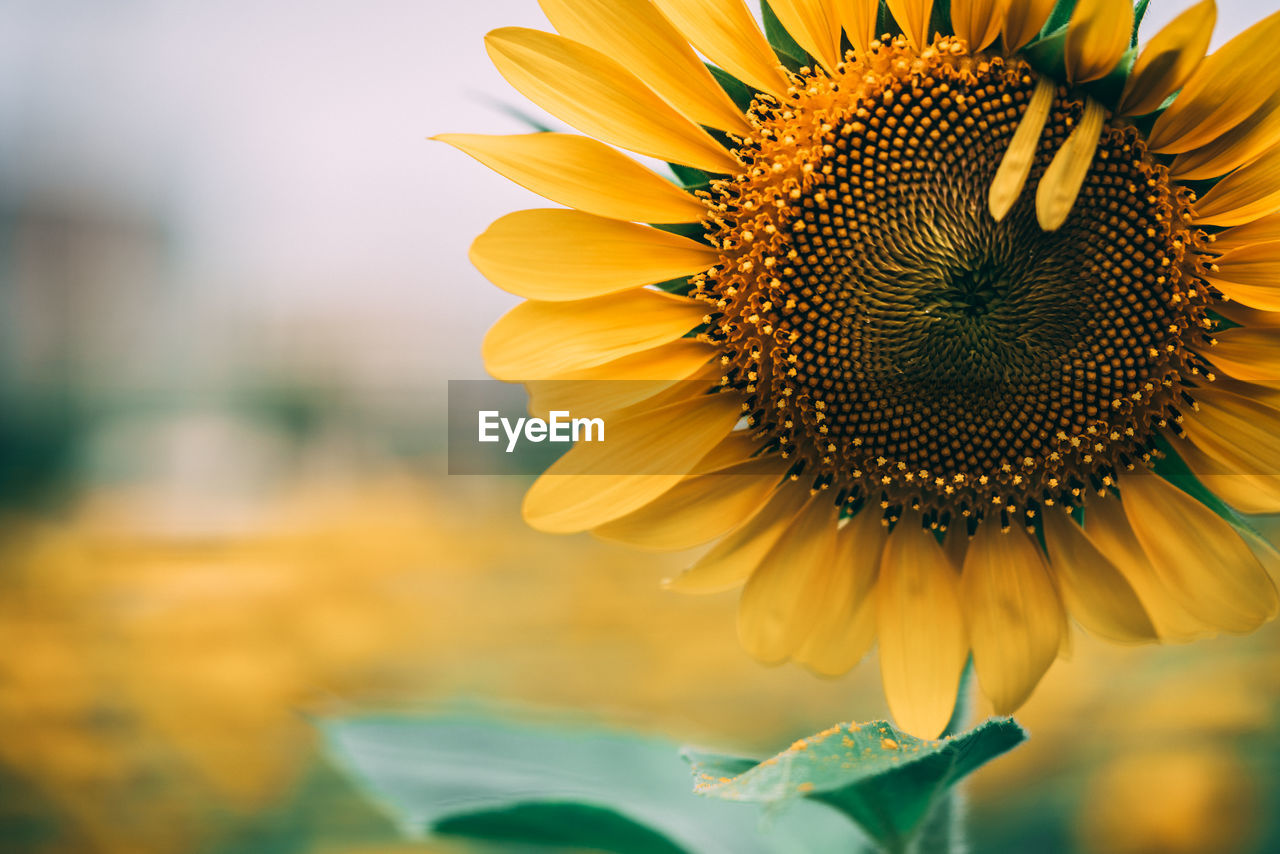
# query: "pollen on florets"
904 347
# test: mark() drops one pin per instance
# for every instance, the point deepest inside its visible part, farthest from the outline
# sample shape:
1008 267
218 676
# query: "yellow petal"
846 624
540 340
1061 182
1262 298
726 33
734 558
858 18
1107 528
640 458
1262 230
1097 36
638 36
1247 354
920 625
1228 473
554 254
913 17
700 508
1168 60
1238 431
956 545
1246 141
1198 555
811 24
978 22
1225 89
1250 192
704 380
1245 316
1257 265
621 383
1094 590
581 173
1015 166
791 579
1023 20
738 447
1014 615
601 98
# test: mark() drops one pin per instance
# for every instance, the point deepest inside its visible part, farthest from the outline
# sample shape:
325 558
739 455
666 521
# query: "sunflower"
952 326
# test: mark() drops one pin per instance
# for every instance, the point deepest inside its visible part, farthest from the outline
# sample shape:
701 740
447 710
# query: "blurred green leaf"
496 779
886 781
574 826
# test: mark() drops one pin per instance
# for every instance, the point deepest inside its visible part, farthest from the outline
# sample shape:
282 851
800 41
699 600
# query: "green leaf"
740 93
789 51
886 781
491 777
574 826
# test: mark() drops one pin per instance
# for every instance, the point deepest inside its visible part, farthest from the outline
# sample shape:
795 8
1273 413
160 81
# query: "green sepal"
690 178
1222 322
1139 12
884 780
1059 16
885 22
740 93
679 287
789 52
1047 54
940 19
691 230
1107 90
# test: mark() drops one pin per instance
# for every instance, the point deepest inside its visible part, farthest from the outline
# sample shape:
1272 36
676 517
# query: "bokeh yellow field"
156 685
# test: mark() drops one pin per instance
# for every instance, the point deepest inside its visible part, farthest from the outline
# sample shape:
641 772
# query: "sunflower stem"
943 831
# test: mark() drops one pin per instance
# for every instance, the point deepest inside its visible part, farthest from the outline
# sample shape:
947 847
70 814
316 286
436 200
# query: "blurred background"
233 285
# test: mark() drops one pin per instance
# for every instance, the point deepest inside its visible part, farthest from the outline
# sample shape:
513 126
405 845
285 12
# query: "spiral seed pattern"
907 349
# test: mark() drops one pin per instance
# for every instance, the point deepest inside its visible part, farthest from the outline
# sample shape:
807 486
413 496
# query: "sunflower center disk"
904 346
